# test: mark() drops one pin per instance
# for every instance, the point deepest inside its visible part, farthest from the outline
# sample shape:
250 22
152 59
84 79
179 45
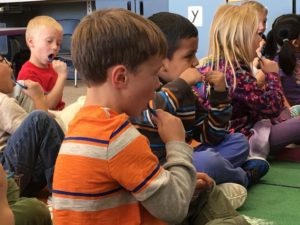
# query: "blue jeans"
32 150
223 161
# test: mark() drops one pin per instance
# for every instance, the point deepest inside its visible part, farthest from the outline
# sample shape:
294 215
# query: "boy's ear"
119 76
296 42
164 67
30 42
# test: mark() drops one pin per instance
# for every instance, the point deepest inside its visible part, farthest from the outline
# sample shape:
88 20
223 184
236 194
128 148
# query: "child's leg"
6 214
234 148
32 151
31 211
26 211
218 168
212 208
284 133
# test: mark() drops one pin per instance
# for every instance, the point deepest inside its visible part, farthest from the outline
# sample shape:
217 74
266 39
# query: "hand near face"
268 66
60 68
260 48
192 76
216 79
170 128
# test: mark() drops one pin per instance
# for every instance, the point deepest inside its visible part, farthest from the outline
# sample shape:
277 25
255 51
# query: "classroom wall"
200 12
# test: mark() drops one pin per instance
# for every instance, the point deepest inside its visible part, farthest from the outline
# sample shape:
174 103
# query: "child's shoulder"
103 122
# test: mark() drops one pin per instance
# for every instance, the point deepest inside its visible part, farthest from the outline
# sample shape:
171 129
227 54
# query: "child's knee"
206 161
31 211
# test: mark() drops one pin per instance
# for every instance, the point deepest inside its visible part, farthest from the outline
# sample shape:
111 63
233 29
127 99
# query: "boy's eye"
188 57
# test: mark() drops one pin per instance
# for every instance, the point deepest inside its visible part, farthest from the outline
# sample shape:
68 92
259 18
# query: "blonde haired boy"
43 37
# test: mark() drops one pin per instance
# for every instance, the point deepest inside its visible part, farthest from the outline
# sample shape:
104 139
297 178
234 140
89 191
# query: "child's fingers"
157 119
256 62
207 179
200 184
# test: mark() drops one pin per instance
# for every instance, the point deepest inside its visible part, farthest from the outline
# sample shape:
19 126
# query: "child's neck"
37 63
102 96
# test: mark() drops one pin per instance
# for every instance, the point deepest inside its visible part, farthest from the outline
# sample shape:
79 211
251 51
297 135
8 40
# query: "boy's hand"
60 68
203 182
36 93
34 90
217 80
192 76
170 128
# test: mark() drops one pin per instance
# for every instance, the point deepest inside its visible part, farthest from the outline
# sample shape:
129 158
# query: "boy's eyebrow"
191 52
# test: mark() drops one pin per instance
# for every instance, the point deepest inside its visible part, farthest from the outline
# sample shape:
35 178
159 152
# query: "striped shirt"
104 169
202 123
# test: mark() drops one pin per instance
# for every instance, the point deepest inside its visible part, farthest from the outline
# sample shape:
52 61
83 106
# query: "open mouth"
51 57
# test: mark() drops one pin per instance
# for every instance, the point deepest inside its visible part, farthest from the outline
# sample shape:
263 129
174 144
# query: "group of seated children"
127 155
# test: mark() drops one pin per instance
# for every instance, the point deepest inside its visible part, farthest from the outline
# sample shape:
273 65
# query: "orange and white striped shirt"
104 170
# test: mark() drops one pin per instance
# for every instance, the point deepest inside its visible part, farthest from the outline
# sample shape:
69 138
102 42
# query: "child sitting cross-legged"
112 177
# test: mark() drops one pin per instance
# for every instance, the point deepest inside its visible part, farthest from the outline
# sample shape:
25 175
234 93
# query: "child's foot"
256 168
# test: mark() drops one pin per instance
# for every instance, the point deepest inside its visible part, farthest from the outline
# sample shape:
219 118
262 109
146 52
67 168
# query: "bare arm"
55 95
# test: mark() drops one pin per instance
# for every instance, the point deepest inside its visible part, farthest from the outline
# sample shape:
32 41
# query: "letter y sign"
195 15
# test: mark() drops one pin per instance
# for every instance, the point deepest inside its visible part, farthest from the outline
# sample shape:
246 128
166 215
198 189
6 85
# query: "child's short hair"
260 8
38 22
114 36
175 28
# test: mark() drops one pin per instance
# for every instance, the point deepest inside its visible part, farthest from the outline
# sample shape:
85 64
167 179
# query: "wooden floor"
71 93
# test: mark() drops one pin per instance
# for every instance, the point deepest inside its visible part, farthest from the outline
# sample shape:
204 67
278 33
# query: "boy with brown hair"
43 37
121 180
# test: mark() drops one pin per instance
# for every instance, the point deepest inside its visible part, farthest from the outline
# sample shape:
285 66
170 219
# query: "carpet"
275 200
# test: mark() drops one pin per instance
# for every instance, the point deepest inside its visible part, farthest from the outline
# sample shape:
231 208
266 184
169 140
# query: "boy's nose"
195 62
55 46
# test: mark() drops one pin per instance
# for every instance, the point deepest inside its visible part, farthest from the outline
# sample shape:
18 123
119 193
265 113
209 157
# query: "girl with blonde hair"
262 14
234 45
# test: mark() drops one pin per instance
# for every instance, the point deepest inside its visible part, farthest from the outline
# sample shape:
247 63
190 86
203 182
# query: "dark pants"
32 150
